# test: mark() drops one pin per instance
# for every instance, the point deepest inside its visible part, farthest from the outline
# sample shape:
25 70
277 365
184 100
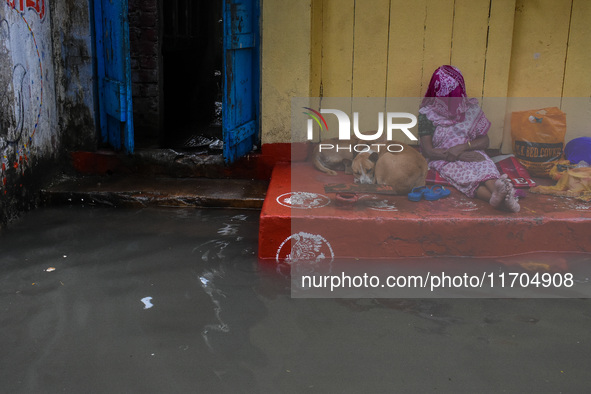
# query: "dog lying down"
403 170
331 161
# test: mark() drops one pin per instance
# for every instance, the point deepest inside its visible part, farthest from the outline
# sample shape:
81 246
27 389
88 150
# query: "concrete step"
171 163
299 220
131 190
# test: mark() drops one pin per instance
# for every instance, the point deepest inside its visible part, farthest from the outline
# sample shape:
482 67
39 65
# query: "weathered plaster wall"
285 64
73 64
29 138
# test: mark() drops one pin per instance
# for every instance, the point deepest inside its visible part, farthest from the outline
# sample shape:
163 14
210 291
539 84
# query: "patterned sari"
457 120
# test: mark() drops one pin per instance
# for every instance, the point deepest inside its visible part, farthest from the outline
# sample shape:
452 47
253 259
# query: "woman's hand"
471 156
439 152
429 151
454 153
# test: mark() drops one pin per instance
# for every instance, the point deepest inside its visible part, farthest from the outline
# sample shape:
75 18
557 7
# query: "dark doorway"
192 71
195 73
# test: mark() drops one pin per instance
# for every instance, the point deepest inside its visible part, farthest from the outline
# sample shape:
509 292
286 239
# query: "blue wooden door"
240 106
114 73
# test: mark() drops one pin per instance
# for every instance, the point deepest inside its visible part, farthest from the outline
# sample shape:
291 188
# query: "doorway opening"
195 73
177 65
192 68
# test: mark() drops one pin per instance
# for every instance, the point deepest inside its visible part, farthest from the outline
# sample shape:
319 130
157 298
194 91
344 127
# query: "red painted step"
300 220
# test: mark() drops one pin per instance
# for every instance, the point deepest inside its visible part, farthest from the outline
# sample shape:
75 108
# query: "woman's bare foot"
511 201
500 192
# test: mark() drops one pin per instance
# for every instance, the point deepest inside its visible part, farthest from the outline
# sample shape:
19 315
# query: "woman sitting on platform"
453 136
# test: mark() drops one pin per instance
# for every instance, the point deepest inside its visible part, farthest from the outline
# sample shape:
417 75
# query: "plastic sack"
518 174
538 138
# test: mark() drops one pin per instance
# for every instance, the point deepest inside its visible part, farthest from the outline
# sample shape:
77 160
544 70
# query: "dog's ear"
374 157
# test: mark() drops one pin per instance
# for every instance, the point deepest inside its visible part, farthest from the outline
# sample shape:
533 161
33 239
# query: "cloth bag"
538 138
575 182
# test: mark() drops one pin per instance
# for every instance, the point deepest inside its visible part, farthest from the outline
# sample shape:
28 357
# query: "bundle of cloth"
574 182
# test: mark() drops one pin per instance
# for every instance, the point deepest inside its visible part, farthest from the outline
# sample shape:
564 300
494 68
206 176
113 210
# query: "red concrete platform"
299 220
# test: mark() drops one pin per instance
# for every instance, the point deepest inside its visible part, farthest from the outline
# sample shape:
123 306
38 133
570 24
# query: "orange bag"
538 138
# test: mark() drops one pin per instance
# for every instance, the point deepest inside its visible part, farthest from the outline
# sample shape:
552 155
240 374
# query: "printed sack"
538 138
515 172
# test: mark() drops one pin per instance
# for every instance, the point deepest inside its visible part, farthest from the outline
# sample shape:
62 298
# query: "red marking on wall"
22 5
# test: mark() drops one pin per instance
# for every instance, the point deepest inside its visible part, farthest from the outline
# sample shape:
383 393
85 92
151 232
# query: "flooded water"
100 300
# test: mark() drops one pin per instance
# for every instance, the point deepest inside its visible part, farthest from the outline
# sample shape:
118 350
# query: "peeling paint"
27 103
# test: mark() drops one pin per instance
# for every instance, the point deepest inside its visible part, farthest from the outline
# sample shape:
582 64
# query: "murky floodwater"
172 300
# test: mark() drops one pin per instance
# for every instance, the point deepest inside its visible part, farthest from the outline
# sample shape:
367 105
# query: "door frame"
115 102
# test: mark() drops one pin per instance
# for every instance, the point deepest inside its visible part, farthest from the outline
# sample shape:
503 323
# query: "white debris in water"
228 229
205 256
147 302
217 249
206 279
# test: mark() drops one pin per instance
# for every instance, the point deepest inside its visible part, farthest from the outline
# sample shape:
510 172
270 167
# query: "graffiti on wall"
23 5
21 87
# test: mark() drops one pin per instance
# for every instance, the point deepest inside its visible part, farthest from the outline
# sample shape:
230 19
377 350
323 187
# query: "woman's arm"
428 151
479 143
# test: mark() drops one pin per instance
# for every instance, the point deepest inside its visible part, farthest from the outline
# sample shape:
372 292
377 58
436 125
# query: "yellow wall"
576 90
389 48
285 63
550 62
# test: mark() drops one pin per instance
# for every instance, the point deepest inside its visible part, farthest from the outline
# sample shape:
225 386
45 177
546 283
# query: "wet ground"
104 300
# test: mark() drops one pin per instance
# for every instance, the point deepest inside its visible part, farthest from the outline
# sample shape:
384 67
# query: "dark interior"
192 68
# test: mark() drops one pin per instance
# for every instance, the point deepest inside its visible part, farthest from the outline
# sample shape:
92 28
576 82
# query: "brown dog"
402 170
329 160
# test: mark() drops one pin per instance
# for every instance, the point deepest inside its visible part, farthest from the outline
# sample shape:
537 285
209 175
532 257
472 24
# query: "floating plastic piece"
147 303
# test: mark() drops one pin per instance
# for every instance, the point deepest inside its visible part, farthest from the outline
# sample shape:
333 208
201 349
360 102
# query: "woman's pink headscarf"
446 95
